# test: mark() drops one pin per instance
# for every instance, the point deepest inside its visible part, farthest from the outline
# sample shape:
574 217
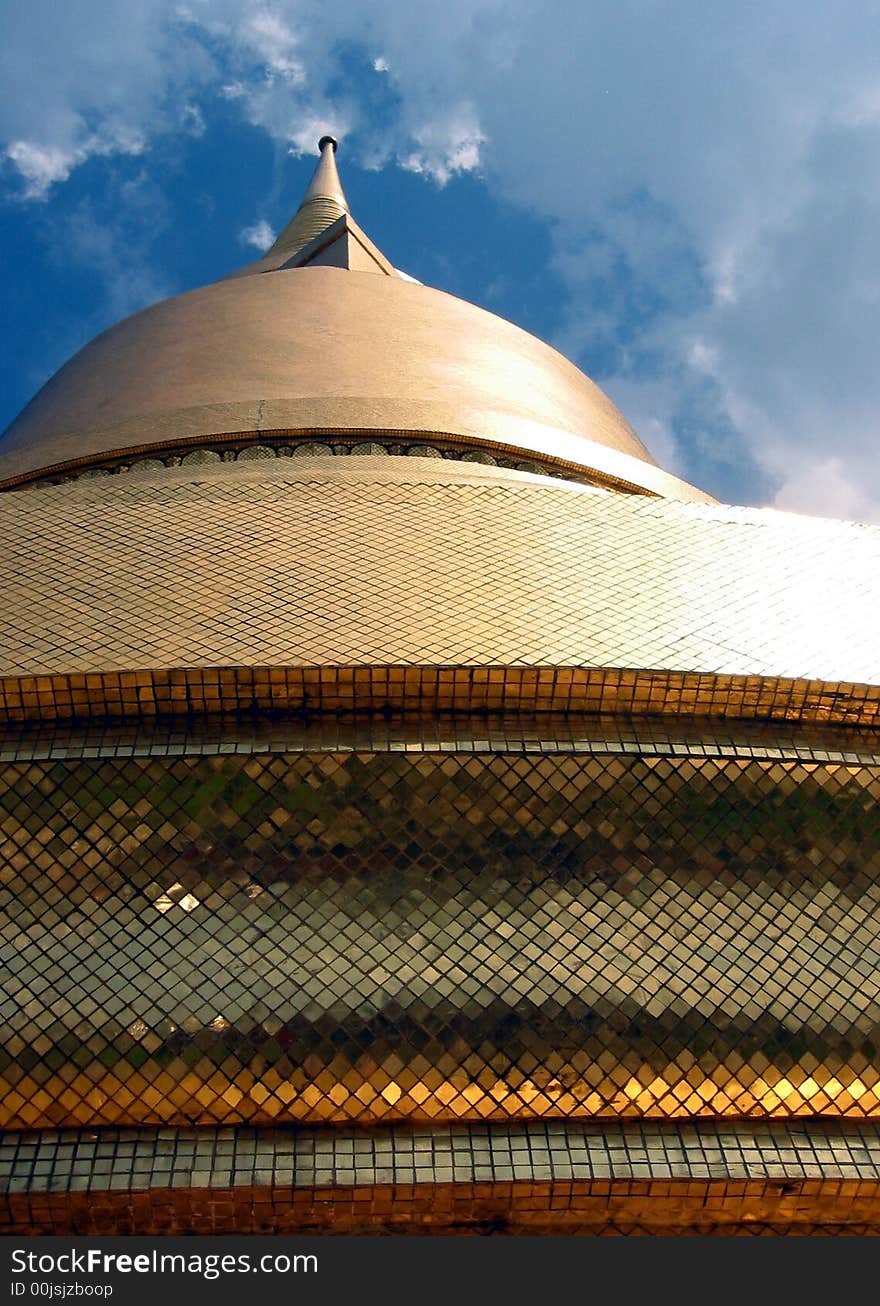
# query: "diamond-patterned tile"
410 562
361 935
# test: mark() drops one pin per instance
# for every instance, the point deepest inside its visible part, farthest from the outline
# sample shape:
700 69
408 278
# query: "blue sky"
683 197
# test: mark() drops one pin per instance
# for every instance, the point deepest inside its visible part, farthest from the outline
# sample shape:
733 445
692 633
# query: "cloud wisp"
259 235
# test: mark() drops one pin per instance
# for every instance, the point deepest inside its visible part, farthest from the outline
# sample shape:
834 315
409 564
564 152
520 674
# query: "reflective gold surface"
142 695
440 914
375 935
322 347
406 563
309 339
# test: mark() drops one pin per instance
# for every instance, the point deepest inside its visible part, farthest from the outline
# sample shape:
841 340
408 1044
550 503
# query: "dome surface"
354 774
325 349
427 564
322 336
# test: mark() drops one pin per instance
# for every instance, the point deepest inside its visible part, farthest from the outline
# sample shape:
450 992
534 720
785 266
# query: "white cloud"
41 166
260 235
274 43
192 120
822 487
447 145
308 128
87 78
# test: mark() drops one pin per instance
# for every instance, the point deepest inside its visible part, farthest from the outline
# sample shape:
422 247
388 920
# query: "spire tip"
327 140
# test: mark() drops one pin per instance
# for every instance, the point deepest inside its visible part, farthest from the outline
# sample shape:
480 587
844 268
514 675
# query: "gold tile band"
419 689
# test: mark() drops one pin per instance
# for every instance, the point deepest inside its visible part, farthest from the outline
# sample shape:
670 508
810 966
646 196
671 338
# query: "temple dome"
473 789
322 336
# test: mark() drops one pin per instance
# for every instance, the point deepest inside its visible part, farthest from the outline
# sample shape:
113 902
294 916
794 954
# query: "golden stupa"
419 809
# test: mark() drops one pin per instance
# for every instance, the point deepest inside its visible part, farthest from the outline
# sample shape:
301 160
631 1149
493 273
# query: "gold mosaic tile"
535 733
418 562
364 936
426 692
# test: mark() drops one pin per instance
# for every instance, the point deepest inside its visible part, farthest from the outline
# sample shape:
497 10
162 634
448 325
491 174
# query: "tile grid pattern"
128 1159
428 691
366 936
512 733
453 931
636 1179
361 567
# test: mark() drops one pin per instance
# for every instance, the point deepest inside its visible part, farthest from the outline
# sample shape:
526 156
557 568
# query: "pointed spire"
325 183
322 232
323 203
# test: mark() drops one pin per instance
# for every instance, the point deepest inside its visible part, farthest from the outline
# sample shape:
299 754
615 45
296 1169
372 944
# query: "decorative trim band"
247 445
419 690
